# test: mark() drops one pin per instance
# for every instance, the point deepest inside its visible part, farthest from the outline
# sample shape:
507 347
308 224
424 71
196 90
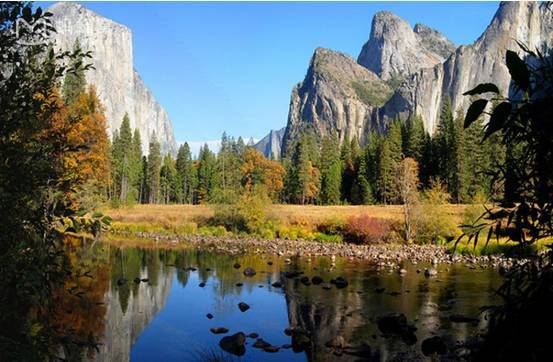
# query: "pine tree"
362 192
413 138
154 168
206 172
389 155
348 170
331 171
123 159
74 82
168 180
447 142
186 174
137 173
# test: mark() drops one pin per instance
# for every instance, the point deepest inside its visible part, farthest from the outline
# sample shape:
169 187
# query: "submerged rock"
271 349
201 285
316 280
397 324
260 343
209 316
431 272
243 306
234 344
433 345
277 285
339 282
219 330
459 318
249 272
236 266
121 281
305 280
253 335
239 284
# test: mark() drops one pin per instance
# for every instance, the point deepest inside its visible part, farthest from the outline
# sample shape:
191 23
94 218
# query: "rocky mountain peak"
394 49
337 95
484 61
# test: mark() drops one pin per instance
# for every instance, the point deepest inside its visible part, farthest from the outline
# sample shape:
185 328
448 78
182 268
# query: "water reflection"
162 314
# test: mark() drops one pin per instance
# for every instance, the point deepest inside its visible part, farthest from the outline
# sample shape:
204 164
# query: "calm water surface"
164 318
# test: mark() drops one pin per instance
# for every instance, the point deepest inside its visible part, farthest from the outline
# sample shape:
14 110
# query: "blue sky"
231 66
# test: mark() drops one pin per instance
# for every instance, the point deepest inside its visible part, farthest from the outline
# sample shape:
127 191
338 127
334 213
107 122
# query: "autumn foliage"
259 171
364 229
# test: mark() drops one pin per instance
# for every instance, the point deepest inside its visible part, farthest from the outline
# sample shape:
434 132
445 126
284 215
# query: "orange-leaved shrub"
364 229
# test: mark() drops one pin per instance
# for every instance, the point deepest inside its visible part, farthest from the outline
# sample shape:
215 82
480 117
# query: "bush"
325 238
245 213
331 227
213 231
364 229
433 223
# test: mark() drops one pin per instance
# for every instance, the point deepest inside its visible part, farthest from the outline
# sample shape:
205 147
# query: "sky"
231 66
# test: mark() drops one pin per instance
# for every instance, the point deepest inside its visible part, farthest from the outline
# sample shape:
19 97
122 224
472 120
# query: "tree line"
315 170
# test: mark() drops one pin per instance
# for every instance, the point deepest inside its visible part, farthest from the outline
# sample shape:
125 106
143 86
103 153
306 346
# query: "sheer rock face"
119 85
337 95
483 61
395 50
123 327
270 144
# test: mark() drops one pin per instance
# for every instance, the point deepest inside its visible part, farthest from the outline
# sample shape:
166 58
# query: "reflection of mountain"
351 312
123 328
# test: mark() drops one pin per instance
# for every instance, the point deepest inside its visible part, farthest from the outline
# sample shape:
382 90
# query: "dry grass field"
177 214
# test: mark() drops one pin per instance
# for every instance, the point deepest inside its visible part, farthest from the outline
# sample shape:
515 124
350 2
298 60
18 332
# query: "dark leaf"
497 119
474 111
482 88
518 70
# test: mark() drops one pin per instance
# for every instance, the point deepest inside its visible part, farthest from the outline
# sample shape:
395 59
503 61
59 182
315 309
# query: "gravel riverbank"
385 255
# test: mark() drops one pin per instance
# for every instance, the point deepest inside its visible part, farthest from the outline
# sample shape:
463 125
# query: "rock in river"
316 280
218 330
236 266
430 272
209 316
459 318
339 282
433 345
234 344
277 285
249 272
243 306
396 324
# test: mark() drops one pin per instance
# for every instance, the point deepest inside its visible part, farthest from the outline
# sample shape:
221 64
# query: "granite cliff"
403 71
119 85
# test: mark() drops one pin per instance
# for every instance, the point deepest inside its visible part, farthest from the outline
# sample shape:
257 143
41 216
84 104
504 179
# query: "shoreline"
381 254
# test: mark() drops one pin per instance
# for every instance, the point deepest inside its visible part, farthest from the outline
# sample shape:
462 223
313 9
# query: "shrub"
331 227
245 213
433 223
325 238
364 229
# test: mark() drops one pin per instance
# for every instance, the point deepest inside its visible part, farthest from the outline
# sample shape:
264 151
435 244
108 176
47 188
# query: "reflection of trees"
351 312
77 310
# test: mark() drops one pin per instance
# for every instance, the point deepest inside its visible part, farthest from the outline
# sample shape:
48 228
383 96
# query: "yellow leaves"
257 170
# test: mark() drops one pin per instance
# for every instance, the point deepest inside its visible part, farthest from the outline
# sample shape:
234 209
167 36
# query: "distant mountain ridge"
119 86
403 71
